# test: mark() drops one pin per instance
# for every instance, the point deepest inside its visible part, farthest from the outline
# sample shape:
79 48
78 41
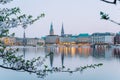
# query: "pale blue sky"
78 16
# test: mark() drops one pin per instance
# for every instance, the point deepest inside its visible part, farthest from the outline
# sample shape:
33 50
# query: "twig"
114 2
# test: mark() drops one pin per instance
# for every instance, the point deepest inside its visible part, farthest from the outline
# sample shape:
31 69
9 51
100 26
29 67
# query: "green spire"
62 30
51 29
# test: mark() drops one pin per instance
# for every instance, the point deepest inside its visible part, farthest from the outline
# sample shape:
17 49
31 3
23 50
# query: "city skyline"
76 16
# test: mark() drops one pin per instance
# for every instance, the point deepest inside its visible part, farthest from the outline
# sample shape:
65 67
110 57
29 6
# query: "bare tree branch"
114 22
17 69
114 2
106 17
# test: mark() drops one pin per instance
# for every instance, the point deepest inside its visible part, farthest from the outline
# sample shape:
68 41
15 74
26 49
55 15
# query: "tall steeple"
62 31
51 29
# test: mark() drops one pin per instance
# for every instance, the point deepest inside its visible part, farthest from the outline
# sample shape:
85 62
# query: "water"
71 57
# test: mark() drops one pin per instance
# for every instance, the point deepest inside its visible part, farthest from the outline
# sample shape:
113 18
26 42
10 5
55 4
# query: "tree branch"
114 22
114 2
17 69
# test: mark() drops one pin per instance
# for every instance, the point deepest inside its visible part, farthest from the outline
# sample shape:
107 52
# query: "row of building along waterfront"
15 41
106 38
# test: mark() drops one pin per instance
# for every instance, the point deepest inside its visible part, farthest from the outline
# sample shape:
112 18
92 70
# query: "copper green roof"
83 35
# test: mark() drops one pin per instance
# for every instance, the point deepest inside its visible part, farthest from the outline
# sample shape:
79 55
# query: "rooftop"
84 35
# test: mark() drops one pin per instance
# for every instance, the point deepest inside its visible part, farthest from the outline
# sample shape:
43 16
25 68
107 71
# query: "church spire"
62 31
51 29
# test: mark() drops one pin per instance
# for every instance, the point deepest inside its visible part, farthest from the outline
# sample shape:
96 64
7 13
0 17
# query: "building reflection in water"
97 53
116 53
67 51
51 49
51 58
24 51
62 59
70 51
84 51
100 52
73 51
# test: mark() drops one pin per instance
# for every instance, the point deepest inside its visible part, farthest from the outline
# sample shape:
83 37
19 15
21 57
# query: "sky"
77 16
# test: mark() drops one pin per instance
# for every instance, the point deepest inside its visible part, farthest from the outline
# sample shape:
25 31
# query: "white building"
67 40
31 41
83 38
102 38
34 41
41 42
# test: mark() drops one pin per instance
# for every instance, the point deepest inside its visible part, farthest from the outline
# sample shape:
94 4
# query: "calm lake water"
71 57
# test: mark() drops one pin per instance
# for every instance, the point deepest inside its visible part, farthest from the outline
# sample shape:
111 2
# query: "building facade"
67 40
9 41
83 38
102 38
51 38
19 41
30 42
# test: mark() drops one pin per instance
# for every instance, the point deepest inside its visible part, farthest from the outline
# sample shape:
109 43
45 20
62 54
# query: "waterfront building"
51 38
41 42
83 39
102 38
31 41
9 41
34 42
67 40
19 41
